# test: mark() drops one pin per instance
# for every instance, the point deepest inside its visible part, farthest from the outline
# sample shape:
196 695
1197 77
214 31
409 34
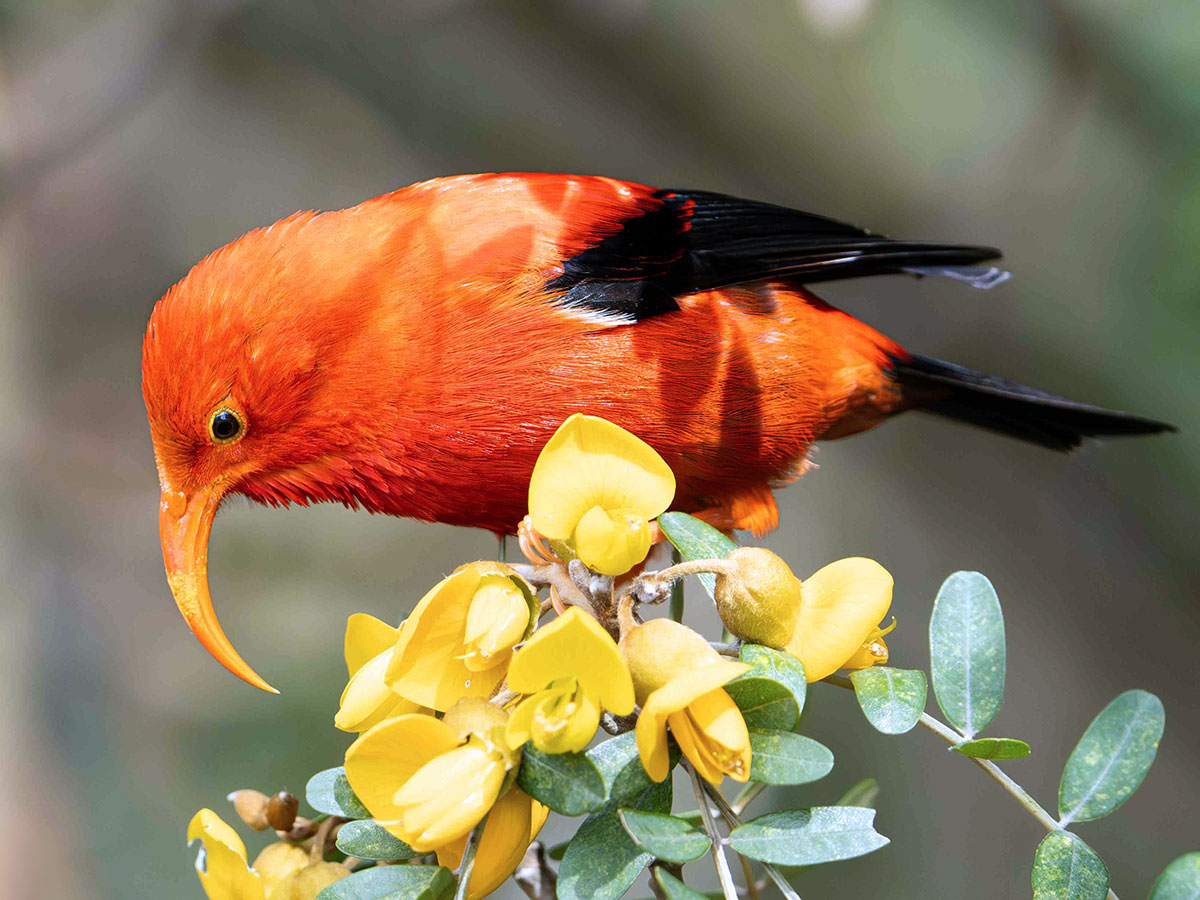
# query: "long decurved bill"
185 523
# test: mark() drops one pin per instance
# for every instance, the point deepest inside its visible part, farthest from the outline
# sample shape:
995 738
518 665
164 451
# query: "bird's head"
235 364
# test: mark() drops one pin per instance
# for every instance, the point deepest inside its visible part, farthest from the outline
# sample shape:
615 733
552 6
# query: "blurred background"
138 136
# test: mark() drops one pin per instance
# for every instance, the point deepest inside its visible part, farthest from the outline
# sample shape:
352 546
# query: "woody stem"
728 888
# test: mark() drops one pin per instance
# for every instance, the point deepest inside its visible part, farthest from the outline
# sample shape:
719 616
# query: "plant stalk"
734 820
728 887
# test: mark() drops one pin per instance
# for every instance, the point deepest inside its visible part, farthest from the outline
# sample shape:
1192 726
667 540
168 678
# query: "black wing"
697 241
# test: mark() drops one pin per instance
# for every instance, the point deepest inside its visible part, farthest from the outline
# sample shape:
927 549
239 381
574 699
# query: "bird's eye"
225 426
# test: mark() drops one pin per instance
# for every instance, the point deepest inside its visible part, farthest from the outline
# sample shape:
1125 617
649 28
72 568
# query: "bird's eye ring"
225 426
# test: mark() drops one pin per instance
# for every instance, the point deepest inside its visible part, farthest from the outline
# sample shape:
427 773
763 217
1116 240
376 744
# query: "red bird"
412 354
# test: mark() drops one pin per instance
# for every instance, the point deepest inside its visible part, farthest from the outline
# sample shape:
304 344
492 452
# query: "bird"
412 354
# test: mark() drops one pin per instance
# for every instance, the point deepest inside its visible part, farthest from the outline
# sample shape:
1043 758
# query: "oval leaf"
367 839
329 792
393 883
966 646
891 699
805 837
993 748
1065 868
673 888
696 540
602 861
568 783
1179 881
781 757
771 694
665 837
1111 758
620 767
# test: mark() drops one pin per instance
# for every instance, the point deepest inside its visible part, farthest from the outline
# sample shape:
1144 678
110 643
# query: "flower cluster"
446 704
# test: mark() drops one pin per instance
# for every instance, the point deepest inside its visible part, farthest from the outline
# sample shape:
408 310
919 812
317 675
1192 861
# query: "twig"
468 860
952 737
734 821
728 888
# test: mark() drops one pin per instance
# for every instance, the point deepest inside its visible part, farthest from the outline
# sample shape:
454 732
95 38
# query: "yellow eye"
226 426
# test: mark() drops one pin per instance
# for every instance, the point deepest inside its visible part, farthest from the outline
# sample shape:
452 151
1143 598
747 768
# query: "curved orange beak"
185 523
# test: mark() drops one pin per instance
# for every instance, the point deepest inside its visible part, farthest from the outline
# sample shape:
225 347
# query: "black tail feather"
998 404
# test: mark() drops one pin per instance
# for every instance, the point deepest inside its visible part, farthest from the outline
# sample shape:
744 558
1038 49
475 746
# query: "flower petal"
691 744
367 699
720 732
611 541
840 606
308 882
448 796
386 756
511 826
592 462
574 645
221 865
366 638
497 619
426 667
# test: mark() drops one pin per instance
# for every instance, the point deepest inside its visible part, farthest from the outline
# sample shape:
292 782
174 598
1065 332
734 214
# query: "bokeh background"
137 136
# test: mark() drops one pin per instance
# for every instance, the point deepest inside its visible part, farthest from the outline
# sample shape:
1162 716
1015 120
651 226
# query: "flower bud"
759 599
281 811
658 650
251 807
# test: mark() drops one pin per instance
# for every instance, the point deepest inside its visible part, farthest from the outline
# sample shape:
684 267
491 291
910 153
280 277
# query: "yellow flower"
281 871
596 486
460 636
840 609
429 781
367 699
758 597
573 670
512 824
678 678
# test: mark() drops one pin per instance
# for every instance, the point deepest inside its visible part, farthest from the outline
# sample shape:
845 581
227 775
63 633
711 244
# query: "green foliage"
696 540
568 783
1111 758
891 699
804 837
329 792
992 748
368 840
1065 868
393 883
771 694
781 757
966 645
673 888
665 837
1180 880
602 860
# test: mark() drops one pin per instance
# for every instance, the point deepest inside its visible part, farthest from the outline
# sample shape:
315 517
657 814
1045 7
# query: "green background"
139 136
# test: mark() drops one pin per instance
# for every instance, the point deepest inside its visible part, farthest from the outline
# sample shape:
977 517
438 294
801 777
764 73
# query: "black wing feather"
698 241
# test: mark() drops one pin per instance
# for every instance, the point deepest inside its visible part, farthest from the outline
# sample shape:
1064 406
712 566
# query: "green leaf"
1179 881
781 757
771 694
393 883
367 839
665 837
602 860
620 768
862 793
696 540
556 852
804 837
568 783
329 792
673 888
992 748
1065 868
966 643
891 699
1111 758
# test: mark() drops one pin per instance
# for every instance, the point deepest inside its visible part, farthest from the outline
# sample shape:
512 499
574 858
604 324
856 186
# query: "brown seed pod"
251 807
281 811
